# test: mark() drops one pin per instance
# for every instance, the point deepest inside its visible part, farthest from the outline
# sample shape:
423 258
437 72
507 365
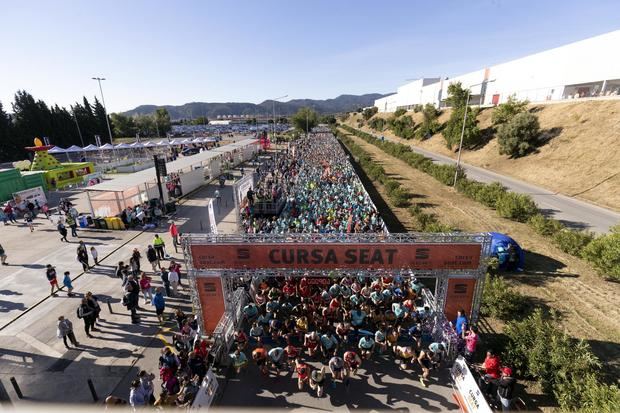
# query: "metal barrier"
269 208
223 335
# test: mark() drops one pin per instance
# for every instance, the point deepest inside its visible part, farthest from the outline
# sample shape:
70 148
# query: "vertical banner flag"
212 222
460 296
211 295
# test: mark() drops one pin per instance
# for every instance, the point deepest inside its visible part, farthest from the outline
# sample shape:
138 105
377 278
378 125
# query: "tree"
457 95
518 136
403 126
305 119
145 125
328 119
123 126
506 111
162 121
457 99
8 150
454 127
369 112
99 117
429 124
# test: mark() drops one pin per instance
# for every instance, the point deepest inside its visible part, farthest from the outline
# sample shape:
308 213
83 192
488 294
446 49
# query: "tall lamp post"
458 159
274 114
107 121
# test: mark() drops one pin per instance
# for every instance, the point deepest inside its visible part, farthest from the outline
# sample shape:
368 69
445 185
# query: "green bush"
499 300
403 127
376 124
505 112
454 127
545 226
399 197
572 242
438 227
538 349
604 254
369 112
519 135
391 185
417 108
400 112
517 207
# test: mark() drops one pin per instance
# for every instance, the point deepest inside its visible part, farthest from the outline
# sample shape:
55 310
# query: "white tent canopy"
125 182
73 148
136 145
122 146
57 149
163 143
91 148
148 144
107 146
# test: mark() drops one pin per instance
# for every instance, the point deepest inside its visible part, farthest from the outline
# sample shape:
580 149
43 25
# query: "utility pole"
107 121
78 127
274 115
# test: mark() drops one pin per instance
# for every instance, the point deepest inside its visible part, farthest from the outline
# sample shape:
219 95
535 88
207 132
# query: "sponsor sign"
320 256
207 392
460 295
31 195
211 296
242 186
468 395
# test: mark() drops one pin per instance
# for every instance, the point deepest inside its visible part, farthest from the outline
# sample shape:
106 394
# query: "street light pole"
458 159
107 121
273 101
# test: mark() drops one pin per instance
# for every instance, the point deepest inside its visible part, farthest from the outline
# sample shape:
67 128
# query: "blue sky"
157 52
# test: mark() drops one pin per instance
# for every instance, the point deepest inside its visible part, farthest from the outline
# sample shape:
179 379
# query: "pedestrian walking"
159 245
10 214
73 225
65 330
63 231
164 279
66 281
87 314
28 217
95 254
146 381
93 301
159 302
131 298
173 278
3 256
174 233
136 395
136 257
134 266
176 267
151 255
82 256
119 269
218 200
145 287
51 277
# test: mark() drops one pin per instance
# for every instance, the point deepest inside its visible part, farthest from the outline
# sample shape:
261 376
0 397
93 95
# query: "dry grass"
582 158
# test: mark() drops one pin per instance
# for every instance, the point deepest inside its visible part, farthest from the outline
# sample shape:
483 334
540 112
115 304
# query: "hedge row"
602 252
398 195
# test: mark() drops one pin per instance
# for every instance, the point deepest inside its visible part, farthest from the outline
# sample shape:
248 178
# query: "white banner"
469 395
242 187
206 394
212 222
31 195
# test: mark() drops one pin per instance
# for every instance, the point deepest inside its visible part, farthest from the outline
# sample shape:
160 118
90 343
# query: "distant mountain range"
342 103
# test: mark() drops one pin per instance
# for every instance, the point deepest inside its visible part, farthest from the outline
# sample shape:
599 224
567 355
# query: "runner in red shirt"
351 362
303 373
292 353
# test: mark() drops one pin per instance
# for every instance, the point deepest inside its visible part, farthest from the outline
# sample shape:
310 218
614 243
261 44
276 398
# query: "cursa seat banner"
321 256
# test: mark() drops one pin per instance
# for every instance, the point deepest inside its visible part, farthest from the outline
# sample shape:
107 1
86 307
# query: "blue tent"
502 246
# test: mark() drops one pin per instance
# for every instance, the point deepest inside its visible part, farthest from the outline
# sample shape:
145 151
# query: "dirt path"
587 303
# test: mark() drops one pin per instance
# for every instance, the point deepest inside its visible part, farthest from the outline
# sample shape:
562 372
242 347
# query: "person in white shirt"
173 278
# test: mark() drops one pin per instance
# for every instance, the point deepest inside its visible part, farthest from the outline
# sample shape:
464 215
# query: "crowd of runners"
323 193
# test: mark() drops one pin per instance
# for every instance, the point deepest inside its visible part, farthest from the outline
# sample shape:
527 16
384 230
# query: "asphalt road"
573 212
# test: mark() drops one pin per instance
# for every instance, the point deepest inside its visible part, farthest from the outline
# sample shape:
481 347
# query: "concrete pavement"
574 213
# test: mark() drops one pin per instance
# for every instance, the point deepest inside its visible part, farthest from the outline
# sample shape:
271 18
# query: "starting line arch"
216 263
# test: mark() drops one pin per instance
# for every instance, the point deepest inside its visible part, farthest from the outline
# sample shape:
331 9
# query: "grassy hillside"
581 155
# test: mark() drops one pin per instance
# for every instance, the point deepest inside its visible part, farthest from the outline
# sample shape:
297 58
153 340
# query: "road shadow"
391 221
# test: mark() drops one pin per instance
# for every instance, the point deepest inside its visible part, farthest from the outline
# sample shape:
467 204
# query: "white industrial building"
587 68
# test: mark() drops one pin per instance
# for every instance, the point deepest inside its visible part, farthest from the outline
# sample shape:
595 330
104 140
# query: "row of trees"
34 118
64 127
156 125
